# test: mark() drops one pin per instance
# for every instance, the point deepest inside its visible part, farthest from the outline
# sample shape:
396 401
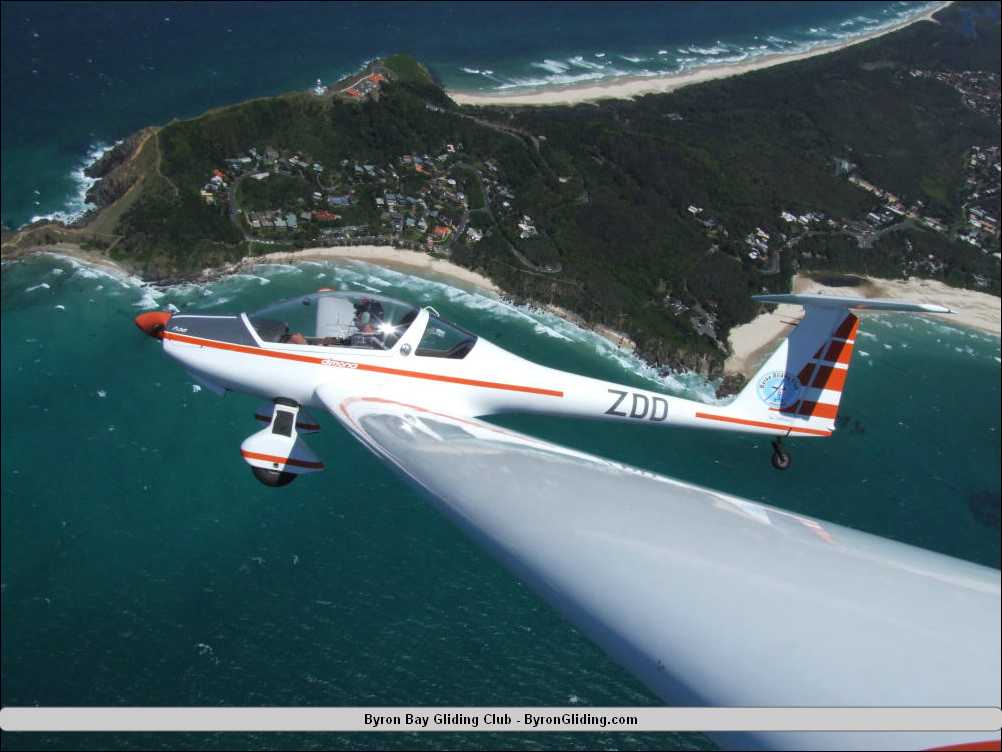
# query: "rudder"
800 386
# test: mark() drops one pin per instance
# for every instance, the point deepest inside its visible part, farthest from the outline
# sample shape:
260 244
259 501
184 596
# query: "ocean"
141 562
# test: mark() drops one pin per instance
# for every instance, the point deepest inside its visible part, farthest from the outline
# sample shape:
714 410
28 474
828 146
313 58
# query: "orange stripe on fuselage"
281 460
265 352
763 424
457 380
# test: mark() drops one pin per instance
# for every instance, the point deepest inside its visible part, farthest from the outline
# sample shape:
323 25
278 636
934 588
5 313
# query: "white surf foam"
76 204
260 280
579 62
274 269
486 72
553 66
578 70
560 79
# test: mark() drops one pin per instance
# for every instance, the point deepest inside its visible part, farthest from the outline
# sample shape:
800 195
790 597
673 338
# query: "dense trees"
609 186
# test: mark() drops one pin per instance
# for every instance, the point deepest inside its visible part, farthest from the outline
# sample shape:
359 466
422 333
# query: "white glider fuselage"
373 347
487 380
359 346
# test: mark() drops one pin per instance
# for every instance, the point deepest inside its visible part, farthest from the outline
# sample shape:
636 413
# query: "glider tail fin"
801 383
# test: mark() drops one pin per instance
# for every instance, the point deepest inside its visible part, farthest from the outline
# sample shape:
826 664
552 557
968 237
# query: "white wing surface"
708 598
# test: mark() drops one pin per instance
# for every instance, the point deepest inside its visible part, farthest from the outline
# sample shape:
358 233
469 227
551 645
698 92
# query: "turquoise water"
142 564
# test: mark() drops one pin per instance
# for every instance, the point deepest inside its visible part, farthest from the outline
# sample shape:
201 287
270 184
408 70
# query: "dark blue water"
79 76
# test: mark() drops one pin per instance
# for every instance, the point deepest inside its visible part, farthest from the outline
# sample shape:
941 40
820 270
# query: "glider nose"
153 322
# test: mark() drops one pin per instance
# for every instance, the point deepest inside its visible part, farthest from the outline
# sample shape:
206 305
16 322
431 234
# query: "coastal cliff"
116 170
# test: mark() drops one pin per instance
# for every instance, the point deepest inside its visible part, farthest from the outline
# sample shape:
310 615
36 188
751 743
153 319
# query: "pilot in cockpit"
368 318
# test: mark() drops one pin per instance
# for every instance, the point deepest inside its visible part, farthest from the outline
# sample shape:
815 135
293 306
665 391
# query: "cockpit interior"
357 320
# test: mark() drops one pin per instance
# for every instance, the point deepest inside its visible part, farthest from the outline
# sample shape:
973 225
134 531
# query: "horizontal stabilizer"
833 301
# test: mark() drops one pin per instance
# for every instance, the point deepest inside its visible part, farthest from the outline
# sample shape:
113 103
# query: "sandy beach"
397 259
751 343
73 251
627 87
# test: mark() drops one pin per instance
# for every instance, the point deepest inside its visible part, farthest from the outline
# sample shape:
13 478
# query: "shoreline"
628 87
72 251
387 256
417 263
750 343
753 342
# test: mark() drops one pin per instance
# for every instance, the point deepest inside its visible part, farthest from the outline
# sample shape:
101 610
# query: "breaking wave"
76 204
552 66
667 60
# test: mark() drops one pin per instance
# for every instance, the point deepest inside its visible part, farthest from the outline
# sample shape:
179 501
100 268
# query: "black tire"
273 478
780 460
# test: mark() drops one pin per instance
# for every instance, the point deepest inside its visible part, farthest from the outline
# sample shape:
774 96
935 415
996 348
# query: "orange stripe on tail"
830 378
817 409
838 352
821 373
847 329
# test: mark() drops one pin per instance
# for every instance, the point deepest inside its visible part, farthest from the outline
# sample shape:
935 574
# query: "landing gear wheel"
780 459
273 478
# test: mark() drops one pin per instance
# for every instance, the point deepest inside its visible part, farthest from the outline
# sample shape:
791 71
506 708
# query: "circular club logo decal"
778 389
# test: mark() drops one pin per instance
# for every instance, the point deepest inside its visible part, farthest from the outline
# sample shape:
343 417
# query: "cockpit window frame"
469 342
347 349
